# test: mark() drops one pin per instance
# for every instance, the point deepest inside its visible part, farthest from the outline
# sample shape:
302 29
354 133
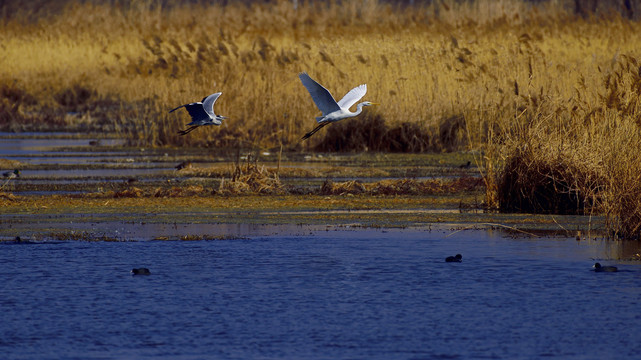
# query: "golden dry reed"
524 82
119 69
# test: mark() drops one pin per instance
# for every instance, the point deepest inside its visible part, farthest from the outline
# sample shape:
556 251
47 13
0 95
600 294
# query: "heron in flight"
333 111
202 113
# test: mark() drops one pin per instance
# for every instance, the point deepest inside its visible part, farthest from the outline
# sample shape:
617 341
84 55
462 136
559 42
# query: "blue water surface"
347 294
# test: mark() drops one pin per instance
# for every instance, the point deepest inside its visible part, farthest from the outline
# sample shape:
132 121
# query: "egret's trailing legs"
315 130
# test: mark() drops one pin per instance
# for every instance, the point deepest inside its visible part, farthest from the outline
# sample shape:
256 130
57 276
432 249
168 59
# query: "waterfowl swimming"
598 268
456 258
140 271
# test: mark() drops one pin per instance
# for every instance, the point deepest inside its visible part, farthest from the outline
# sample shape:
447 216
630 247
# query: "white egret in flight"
202 113
333 111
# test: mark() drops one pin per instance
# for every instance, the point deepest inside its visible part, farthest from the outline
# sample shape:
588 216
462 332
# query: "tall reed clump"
577 156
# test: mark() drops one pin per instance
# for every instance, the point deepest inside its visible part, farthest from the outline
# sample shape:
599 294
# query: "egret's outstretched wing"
208 103
321 96
353 96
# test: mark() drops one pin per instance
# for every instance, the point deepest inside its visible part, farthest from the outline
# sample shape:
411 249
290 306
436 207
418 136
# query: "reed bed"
548 91
580 157
439 70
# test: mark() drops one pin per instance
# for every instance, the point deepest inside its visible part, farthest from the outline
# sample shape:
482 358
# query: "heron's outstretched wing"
195 110
197 113
208 103
352 96
174 109
321 96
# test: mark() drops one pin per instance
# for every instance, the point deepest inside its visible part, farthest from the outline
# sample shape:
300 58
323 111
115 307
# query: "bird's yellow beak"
373 103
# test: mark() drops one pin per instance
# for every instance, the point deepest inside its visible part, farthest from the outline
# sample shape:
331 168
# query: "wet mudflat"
64 163
70 183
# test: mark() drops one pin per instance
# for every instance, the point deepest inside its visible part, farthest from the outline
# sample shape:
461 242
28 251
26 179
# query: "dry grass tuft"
175 191
7 197
132 192
172 192
353 187
250 178
7 164
401 187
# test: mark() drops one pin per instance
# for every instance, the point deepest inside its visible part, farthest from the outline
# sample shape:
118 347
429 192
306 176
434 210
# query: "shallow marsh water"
265 286
61 163
320 293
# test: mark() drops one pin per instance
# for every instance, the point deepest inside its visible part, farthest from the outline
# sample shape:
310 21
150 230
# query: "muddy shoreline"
63 218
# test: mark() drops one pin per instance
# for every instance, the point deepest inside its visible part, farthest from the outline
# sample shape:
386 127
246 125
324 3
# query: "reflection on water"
319 294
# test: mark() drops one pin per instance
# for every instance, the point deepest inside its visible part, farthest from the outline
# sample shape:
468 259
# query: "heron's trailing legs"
187 131
315 129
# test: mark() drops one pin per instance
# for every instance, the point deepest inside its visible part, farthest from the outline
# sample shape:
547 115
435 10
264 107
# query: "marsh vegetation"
547 93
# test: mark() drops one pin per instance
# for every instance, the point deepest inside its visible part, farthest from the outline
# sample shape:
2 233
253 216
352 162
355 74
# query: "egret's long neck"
359 109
